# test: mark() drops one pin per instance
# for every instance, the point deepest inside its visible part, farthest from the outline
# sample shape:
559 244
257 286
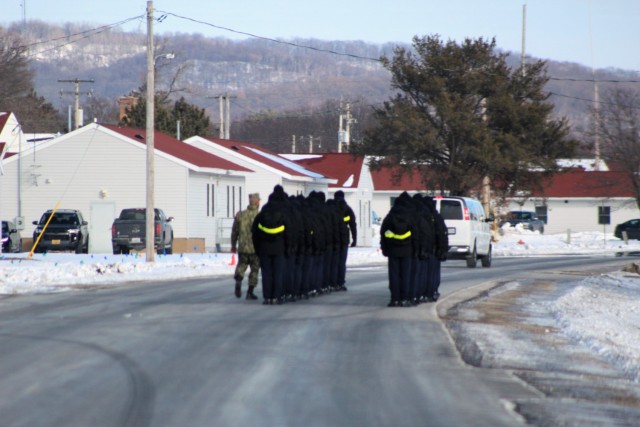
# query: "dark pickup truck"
129 231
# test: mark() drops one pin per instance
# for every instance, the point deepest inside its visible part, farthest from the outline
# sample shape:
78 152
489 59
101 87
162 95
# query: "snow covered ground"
602 312
57 272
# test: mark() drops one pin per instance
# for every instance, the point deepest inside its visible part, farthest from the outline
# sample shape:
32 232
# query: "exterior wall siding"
96 166
260 181
207 207
87 168
579 215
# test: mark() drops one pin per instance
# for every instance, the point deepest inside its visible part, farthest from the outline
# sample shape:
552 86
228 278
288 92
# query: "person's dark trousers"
327 269
343 251
399 277
297 275
318 269
437 274
335 260
307 274
425 277
289 274
272 267
433 271
416 275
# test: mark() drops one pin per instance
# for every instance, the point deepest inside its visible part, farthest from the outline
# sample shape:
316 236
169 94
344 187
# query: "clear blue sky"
598 33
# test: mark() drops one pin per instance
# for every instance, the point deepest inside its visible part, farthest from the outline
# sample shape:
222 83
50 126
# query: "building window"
233 201
211 200
541 213
604 214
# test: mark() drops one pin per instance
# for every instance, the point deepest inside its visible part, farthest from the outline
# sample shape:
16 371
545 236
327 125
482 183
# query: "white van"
469 229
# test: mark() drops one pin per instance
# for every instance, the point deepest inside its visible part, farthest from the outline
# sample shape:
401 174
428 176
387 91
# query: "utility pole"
221 134
486 182
76 94
227 133
344 132
293 144
225 116
150 130
524 28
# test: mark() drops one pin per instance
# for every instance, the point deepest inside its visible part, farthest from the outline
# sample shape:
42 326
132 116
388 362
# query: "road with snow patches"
188 353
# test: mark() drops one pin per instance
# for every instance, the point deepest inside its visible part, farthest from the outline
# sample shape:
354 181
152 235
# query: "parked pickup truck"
129 231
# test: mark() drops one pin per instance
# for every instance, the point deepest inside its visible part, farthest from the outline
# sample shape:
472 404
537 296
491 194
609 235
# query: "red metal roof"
344 167
4 116
178 149
573 183
587 184
253 151
389 179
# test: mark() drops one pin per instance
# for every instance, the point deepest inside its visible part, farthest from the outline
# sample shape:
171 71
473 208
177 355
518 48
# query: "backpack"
271 223
399 228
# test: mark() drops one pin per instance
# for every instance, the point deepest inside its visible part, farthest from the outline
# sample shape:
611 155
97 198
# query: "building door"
100 222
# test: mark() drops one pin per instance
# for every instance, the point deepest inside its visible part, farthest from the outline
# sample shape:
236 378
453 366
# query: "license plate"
55 242
135 240
451 230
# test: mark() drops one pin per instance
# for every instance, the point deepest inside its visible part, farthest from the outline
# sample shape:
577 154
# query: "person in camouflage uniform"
241 240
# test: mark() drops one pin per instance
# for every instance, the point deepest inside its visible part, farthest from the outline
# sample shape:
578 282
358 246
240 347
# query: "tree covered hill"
259 75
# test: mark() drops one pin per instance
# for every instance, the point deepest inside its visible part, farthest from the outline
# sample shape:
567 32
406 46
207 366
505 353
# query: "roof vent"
235 147
139 136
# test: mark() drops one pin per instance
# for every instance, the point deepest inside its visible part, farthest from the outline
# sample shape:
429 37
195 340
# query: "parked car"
67 231
468 228
632 227
129 231
528 219
11 239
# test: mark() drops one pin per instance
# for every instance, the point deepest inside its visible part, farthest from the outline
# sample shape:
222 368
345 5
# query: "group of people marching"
414 238
299 244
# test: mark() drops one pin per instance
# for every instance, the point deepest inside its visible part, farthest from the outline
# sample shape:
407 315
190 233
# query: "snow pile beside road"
603 313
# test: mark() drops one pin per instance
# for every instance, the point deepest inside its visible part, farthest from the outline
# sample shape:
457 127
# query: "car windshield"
60 218
520 215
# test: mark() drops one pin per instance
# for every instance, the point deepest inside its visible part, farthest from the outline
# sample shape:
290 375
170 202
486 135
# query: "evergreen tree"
193 120
461 114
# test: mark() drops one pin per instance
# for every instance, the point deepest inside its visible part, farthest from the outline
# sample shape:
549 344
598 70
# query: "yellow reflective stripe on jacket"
391 235
347 218
271 230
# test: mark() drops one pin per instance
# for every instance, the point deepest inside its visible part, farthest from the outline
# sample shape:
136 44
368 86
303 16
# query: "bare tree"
618 129
15 75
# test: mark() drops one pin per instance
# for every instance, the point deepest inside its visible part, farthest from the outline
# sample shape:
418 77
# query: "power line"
569 79
270 39
85 35
593 101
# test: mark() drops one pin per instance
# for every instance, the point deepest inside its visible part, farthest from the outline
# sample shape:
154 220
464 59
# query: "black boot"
250 294
238 289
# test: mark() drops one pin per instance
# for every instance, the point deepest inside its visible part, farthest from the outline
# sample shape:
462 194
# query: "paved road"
190 354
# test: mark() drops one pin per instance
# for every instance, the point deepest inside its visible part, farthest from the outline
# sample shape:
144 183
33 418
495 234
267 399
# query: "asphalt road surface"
188 353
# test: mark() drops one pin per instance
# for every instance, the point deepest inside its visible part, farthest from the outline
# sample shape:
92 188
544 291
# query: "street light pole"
150 131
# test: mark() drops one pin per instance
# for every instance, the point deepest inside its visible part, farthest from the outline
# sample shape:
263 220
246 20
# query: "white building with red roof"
270 169
101 169
582 198
353 178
